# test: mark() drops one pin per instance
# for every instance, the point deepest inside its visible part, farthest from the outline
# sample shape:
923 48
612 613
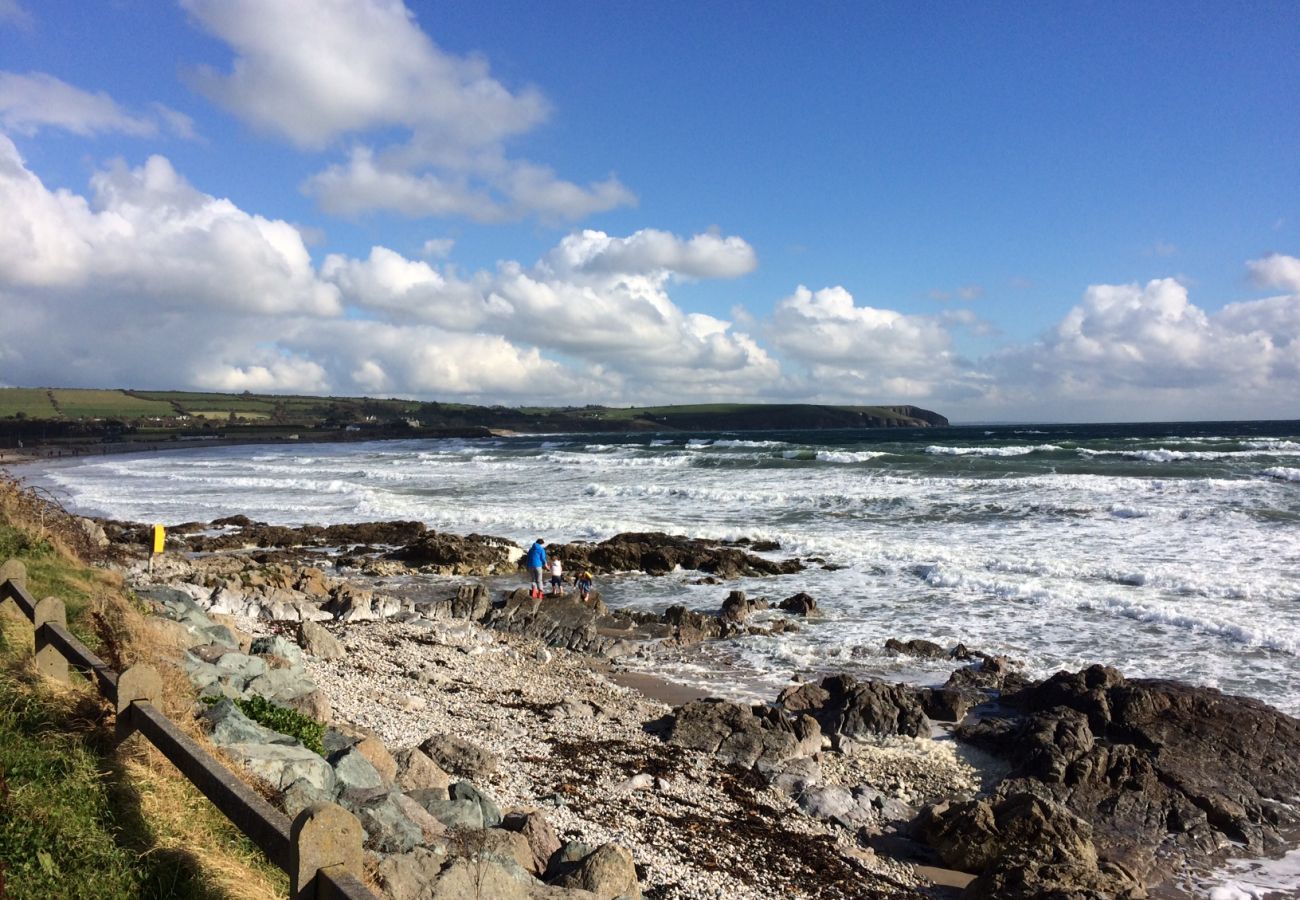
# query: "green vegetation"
83 404
281 719
27 403
81 816
86 416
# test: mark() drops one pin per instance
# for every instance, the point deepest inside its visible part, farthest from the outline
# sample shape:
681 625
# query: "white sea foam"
938 450
1178 575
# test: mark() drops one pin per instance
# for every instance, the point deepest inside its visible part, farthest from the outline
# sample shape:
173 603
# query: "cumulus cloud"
1276 271
29 103
151 234
1133 351
314 71
648 252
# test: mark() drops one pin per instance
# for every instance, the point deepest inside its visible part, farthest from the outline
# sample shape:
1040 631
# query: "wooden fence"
320 849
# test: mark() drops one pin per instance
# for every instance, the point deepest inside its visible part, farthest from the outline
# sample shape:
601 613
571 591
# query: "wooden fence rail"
321 850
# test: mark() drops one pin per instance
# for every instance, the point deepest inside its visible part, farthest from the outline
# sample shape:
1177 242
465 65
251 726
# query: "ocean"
1165 550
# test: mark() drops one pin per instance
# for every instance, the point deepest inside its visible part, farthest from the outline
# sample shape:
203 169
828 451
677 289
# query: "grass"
34 403
79 816
91 404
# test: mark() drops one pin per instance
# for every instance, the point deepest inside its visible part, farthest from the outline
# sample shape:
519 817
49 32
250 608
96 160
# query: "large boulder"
609 872
743 736
738 607
450 554
540 836
848 708
1023 847
318 642
459 756
417 771
1151 765
801 604
565 621
656 553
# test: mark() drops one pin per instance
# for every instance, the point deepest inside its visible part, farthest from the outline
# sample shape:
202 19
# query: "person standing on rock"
584 585
535 559
557 578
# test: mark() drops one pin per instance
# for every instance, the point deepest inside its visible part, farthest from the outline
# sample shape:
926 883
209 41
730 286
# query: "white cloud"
1276 271
152 235
437 248
650 251
287 374
314 71
389 282
29 103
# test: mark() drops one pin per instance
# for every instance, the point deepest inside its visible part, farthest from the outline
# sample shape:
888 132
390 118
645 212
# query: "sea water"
1165 550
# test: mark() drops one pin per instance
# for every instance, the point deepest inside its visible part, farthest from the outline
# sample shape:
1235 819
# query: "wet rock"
917 647
801 604
657 553
565 621
738 607
690 627
450 554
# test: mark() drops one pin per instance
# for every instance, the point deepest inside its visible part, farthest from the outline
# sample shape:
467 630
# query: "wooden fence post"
324 836
139 682
50 662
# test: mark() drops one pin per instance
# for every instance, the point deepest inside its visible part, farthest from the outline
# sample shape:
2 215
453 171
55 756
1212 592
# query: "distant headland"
47 416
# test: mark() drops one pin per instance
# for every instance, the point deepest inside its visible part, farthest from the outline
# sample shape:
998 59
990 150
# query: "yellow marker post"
159 541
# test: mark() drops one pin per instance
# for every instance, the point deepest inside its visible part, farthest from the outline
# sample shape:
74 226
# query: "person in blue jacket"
535 560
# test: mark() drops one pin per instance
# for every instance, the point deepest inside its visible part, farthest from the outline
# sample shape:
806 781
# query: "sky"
1003 211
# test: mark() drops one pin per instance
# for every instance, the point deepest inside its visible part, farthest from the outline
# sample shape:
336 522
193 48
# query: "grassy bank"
80 818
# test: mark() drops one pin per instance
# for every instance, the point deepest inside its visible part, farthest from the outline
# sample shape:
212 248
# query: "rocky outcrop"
656 553
848 708
450 554
1023 848
1160 770
745 736
801 604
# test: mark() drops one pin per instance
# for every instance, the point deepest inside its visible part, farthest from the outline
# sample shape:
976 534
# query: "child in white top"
557 580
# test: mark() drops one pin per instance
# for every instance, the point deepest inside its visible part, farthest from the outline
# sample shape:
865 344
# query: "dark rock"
471 602
1022 847
1151 765
921 649
948 704
737 608
239 521
801 604
450 554
565 621
989 673
690 627
845 707
657 553
736 735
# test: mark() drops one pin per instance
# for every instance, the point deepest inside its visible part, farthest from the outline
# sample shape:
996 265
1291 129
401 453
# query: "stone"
471 602
410 876
358 781
1150 764
738 607
734 734
277 646
465 791
656 553
450 554
388 828
227 726
796 776
459 756
838 804
430 827
302 794
283 764
373 749
609 872
847 708
540 836
320 643
801 604
451 813
416 771
922 649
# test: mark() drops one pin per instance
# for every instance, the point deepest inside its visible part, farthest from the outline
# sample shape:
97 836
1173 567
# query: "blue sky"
1050 211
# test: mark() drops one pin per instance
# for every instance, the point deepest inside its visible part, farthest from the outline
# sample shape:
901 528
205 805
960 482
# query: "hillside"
42 415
